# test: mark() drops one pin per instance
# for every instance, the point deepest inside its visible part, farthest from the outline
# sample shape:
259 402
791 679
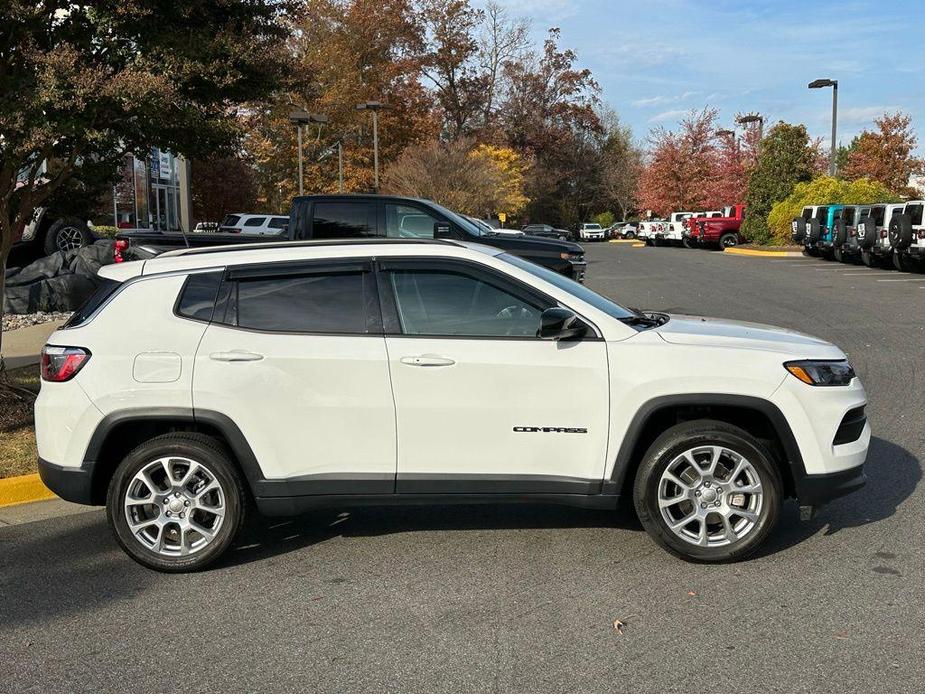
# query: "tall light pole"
820 84
375 107
301 117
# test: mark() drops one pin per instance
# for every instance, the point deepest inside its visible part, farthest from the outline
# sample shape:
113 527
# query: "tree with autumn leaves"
886 155
696 167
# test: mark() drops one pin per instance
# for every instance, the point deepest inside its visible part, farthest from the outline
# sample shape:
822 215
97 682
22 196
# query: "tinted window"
279 222
320 303
821 214
915 212
197 300
574 288
255 222
847 215
230 220
807 214
446 302
342 220
99 297
879 213
403 222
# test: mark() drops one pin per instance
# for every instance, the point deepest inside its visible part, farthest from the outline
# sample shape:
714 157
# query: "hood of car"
531 244
698 330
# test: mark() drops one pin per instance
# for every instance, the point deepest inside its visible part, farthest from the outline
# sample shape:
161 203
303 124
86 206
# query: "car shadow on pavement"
61 566
893 473
268 537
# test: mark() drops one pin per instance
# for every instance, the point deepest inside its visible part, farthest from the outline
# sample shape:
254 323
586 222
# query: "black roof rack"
307 244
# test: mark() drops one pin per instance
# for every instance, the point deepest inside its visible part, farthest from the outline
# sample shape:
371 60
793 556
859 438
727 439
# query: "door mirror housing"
441 230
560 324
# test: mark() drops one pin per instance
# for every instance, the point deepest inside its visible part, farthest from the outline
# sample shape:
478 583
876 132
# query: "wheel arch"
758 416
121 431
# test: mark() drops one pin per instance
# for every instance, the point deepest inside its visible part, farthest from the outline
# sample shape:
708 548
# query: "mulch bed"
15 408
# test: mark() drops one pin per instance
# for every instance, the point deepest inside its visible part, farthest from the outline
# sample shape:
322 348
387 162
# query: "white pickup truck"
655 232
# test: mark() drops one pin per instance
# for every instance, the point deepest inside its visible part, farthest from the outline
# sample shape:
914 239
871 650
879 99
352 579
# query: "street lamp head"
372 106
750 118
819 84
301 117
725 133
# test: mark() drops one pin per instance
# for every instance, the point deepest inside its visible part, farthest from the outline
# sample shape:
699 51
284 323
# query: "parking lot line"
911 279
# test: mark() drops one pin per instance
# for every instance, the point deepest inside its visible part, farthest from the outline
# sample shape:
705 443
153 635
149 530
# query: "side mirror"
560 324
441 230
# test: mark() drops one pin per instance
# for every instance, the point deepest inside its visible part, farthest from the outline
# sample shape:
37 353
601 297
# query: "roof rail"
305 244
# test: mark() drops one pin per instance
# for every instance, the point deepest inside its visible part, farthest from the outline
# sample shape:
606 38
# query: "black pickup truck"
351 216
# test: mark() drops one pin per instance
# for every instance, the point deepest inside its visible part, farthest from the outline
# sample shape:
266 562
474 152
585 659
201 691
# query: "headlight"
822 373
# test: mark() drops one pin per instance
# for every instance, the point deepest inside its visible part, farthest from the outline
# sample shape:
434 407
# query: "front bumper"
818 490
70 483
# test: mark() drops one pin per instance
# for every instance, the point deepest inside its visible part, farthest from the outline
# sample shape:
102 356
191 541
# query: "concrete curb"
764 254
23 489
622 241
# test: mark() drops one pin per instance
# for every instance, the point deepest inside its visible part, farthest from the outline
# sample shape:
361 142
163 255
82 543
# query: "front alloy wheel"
708 491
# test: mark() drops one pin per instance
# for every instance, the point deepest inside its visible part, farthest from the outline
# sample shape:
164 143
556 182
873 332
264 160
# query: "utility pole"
299 118
340 166
375 107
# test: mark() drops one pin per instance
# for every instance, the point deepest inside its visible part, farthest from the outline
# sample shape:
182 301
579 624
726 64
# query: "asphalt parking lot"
523 599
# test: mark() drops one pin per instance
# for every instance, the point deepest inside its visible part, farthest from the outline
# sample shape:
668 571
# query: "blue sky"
657 59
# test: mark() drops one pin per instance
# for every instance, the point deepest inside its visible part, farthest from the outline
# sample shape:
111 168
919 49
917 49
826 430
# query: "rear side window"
197 299
279 222
878 214
255 222
847 215
342 220
329 302
99 297
231 220
807 214
915 213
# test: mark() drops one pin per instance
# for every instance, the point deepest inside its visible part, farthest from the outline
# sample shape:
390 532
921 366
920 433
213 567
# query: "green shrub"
820 191
605 219
105 232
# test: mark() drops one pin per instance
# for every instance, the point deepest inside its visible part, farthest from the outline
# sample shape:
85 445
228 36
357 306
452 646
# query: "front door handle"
235 355
427 360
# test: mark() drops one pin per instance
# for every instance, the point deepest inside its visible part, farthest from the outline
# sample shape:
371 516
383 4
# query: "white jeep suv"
309 374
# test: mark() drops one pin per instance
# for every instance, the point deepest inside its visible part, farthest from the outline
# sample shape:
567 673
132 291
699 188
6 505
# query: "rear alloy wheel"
629 235
176 502
708 491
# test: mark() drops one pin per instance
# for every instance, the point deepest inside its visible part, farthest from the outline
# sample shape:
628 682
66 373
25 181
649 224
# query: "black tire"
867 233
867 258
815 230
841 233
201 449
689 242
798 229
667 448
67 234
649 241
900 232
629 235
901 262
839 255
728 240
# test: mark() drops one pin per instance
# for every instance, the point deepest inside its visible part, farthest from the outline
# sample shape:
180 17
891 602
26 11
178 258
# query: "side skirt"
294 505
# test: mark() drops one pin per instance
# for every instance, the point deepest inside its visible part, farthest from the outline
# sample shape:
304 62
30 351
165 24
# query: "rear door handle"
427 360
235 355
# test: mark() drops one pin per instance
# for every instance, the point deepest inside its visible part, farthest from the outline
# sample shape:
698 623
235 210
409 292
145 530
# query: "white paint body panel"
460 418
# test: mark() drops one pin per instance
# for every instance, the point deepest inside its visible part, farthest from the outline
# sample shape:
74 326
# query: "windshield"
579 291
459 220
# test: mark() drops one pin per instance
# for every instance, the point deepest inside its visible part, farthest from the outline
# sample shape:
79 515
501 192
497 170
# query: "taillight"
922 233
61 364
120 245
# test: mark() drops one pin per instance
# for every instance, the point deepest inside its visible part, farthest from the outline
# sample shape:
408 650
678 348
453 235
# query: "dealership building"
153 192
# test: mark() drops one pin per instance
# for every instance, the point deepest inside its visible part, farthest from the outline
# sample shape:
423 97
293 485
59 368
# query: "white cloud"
673 114
660 100
864 114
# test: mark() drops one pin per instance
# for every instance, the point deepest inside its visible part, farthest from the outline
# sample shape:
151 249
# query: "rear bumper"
70 483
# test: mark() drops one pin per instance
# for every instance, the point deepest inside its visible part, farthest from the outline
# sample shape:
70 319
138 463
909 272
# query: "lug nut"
186 503
707 483
168 514
697 493
183 515
701 506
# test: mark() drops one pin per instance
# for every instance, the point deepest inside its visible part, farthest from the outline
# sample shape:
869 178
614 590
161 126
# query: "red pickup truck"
719 232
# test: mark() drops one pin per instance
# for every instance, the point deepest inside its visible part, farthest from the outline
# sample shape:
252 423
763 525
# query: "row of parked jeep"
710 229
875 235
